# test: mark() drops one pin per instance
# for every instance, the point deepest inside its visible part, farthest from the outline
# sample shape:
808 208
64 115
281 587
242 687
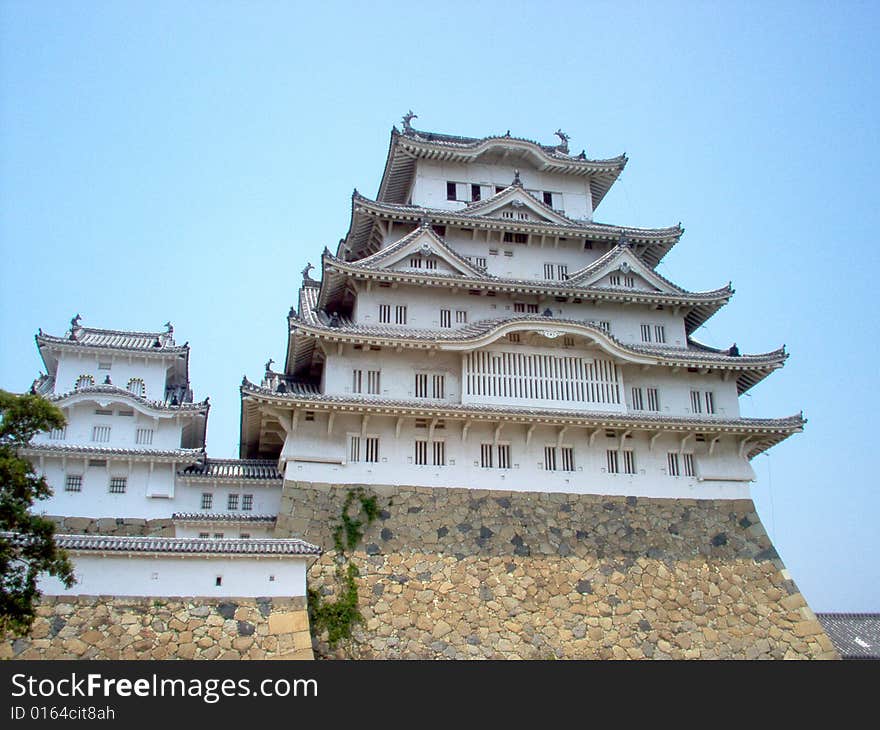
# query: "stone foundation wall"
458 573
105 627
132 526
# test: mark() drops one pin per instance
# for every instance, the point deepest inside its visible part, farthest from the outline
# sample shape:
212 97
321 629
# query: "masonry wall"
456 573
106 627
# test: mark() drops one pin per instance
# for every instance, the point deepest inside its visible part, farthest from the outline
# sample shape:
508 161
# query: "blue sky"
184 161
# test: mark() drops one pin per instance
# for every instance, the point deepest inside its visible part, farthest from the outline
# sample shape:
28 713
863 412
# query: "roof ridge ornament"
516 181
407 121
563 141
305 274
74 326
269 365
425 221
624 241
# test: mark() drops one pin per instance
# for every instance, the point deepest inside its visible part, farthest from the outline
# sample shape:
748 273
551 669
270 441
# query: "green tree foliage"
27 543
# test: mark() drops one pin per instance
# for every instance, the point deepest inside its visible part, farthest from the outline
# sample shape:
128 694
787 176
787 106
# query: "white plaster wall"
132 574
429 187
150 494
396 457
256 531
675 391
424 305
123 367
81 419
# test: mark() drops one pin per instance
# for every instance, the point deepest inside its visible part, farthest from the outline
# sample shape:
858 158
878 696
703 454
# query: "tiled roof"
116 391
186 545
116 340
234 469
220 517
854 635
86 450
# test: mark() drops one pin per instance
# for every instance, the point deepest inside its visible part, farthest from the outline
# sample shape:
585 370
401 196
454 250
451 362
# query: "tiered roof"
268 547
233 470
412 144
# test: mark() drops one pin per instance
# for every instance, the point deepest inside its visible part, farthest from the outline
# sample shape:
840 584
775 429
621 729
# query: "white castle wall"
429 187
313 455
423 311
132 574
398 370
152 370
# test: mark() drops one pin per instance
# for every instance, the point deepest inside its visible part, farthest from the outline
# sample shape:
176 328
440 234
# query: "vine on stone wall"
338 616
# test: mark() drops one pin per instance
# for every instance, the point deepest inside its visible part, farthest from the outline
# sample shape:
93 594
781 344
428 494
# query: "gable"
516 205
621 268
421 251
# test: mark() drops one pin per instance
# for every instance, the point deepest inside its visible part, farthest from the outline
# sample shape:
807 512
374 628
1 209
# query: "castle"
518 386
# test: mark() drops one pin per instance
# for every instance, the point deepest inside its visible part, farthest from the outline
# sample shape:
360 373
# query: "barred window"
480 261
232 501
439 453
58 434
638 402
430 263
659 333
486 455
372 449
415 262
421 385
143 436
207 500
696 402
373 382
688 465
446 318
117 485
384 313
629 281
136 386
101 434
567 453
629 462
244 536
84 381
421 452
710 402
204 535
605 326
672 464
614 279
439 386
247 502
73 483
460 316
354 449
504 456
653 399
357 381
218 535
550 458
400 314
613 460
646 332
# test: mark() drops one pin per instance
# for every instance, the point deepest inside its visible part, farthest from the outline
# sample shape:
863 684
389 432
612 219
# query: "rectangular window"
710 402
646 332
638 402
207 500
247 502
371 452
567 453
384 313
653 399
421 452
373 382
629 282
562 271
696 402
104 365
672 464
547 198
143 436
117 485
101 434
218 536
605 326
614 279
400 314
58 434
504 456
439 453
446 318
415 262
629 461
475 192
204 536
493 251
480 261
549 270
568 341
460 316
354 451
103 411
421 385
613 460
73 483
550 458
519 307
439 386
431 264
688 465
244 536
232 501
357 381
513 337
486 455
659 333
450 190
